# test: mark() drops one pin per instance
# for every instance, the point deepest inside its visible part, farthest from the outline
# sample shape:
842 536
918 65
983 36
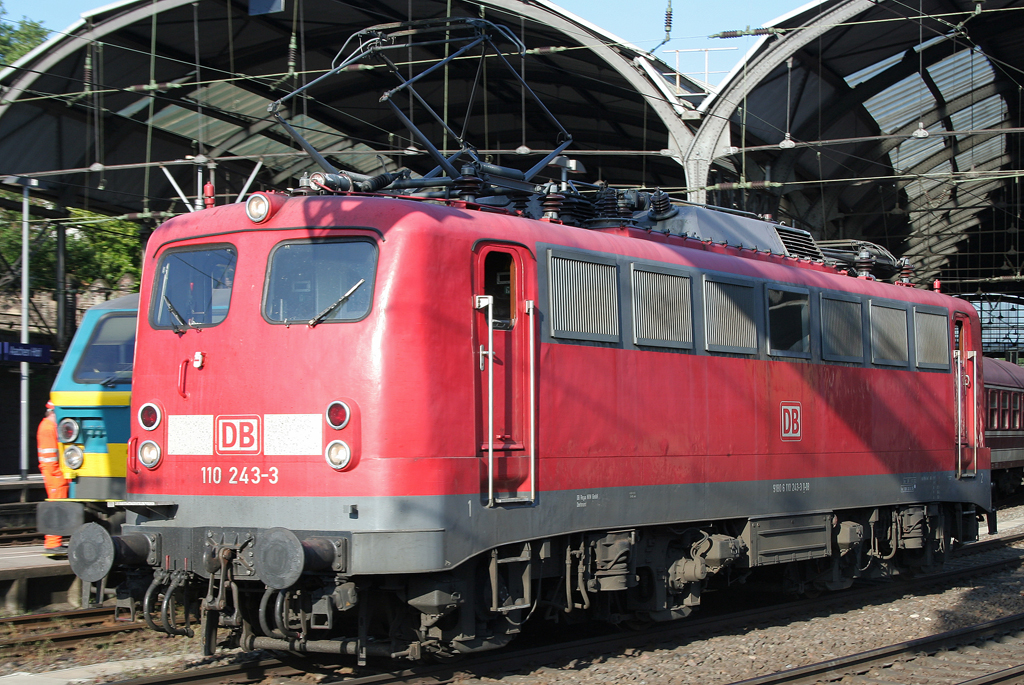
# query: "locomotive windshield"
107 358
193 288
310 280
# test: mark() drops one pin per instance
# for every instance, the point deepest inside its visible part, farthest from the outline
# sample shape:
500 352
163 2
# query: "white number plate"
239 475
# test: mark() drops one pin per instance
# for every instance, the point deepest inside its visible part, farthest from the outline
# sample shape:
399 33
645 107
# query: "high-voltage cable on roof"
376 41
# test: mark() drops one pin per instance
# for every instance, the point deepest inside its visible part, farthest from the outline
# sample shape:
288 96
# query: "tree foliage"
95 247
17 38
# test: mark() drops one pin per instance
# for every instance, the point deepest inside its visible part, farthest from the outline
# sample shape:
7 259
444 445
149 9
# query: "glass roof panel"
869 72
991 149
961 73
913 151
900 104
987 113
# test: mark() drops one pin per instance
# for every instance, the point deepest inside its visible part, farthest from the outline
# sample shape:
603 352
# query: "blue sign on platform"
24 352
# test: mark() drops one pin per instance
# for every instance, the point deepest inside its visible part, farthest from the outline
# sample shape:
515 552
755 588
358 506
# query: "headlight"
337 415
67 430
149 416
73 457
338 455
257 207
149 454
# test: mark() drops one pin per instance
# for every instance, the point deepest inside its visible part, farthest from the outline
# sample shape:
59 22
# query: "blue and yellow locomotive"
92 396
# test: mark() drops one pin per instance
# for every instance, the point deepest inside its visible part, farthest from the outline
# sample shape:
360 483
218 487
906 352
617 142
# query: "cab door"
504 353
965 367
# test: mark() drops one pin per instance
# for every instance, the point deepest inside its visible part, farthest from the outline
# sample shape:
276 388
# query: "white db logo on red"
792 421
238 435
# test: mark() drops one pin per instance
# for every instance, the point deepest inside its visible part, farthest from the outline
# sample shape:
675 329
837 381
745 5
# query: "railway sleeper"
272 589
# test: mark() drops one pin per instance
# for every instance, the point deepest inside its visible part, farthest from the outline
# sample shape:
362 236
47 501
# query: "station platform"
14 489
29 580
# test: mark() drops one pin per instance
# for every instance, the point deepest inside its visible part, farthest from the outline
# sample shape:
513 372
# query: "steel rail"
834 669
48 619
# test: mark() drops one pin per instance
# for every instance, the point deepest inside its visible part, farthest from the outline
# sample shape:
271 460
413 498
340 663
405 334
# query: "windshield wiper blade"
180 328
322 315
118 377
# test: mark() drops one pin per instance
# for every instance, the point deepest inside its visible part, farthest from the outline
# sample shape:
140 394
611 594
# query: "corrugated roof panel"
894 107
867 73
230 98
915 150
186 123
987 113
961 73
984 152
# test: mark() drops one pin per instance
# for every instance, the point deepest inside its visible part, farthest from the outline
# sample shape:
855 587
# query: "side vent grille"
889 335
798 243
932 340
841 330
729 317
661 309
584 299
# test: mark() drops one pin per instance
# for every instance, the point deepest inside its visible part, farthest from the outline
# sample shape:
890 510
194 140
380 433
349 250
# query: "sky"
641 22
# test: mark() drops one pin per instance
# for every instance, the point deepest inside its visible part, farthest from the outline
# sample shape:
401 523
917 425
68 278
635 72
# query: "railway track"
62 628
67 629
19 535
516 658
979 655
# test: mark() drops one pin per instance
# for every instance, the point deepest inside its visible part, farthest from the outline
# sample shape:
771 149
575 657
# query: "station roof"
889 121
164 81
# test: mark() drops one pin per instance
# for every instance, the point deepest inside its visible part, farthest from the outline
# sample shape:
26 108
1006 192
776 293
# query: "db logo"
792 422
238 434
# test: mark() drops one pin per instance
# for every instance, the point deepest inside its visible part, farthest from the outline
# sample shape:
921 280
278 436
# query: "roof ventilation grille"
798 243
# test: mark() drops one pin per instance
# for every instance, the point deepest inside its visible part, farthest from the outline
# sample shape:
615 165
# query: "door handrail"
959 367
487 357
973 356
481 302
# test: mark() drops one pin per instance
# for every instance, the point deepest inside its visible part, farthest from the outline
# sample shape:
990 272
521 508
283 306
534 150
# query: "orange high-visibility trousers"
49 465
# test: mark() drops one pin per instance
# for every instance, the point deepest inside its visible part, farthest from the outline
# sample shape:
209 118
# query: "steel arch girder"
715 124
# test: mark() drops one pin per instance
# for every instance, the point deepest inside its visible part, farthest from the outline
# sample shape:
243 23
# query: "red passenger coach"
1004 427
377 423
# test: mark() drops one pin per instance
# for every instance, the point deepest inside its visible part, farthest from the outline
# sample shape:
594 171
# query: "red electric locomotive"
381 424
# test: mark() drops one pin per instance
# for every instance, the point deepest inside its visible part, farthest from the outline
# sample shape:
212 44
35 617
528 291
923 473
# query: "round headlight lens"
149 416
67 430
73 457
149 454
257 207
338 455
338 415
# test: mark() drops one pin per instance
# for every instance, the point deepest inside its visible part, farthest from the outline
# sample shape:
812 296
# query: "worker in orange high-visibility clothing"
49 466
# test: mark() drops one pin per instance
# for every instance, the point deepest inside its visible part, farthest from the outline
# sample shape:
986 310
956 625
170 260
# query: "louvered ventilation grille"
889 334
841 328
584 299
661 308
729 315
798 243
932 339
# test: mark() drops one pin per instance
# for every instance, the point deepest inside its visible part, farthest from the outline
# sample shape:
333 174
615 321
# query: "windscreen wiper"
180 327
118 377
322 315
